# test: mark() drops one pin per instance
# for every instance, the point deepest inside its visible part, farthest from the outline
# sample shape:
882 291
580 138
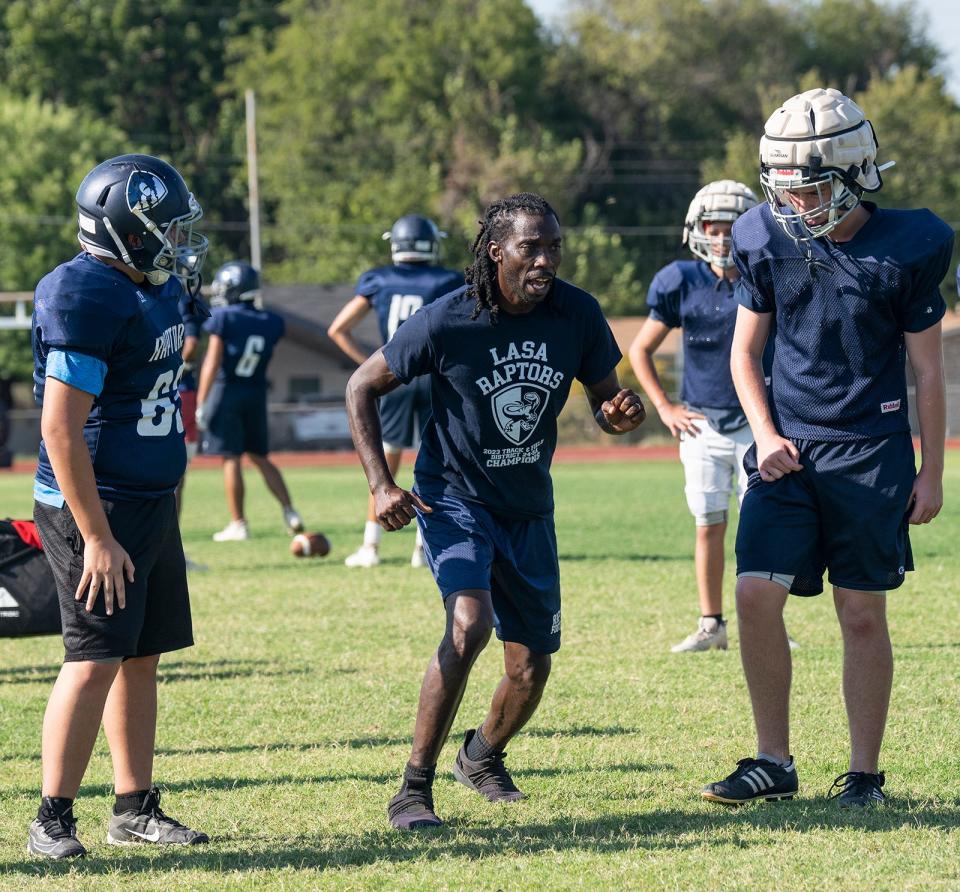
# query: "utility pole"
253 186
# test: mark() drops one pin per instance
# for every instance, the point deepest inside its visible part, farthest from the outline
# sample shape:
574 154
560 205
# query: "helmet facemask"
721 201
713 247
837 194
182 250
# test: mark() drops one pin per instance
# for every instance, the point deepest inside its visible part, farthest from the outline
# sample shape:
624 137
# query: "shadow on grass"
698 827
371 742
169 672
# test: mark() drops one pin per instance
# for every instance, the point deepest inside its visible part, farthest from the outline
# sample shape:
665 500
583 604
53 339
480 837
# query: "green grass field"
284 730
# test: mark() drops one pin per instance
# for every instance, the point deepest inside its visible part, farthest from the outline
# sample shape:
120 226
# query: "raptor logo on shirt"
517 410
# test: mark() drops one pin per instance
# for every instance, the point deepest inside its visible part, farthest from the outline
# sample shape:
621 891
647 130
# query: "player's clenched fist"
396 507
624 412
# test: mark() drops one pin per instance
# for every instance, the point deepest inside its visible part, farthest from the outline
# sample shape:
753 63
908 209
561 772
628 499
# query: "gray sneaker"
710 633
150 825
53 834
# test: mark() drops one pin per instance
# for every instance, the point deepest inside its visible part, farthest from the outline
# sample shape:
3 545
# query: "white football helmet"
719 201
819 141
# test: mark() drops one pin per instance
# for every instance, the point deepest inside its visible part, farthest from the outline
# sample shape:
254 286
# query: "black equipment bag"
28 593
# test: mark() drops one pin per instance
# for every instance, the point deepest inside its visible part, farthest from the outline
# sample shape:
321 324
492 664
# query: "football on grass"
310 545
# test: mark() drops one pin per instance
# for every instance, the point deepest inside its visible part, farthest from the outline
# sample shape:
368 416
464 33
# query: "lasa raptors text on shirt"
523 363
171 341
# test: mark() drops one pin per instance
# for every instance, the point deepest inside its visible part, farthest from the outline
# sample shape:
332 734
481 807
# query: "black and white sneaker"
489 777
53 834
858 789
151 825
754 779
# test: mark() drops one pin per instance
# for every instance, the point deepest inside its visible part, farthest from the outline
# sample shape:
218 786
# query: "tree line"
369 109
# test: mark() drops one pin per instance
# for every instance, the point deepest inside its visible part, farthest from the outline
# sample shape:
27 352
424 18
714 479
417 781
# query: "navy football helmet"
414 239
235 282
137 209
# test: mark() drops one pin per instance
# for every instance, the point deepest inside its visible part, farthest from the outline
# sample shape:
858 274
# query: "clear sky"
944 25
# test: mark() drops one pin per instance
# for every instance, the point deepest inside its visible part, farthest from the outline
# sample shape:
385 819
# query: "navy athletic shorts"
515 560
157 616
845 512
405 410
236 421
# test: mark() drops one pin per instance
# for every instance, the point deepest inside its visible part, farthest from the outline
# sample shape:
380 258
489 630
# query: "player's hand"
776 457
680 419
200 418
926 499
623 412
396 507
105 565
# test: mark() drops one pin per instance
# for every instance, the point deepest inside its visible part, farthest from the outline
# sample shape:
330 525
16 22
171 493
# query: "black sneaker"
489 777
150 825
754 779
412 808
858 789
53 834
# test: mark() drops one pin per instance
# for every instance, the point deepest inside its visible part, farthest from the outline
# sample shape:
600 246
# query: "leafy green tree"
399 106
154 69
47 150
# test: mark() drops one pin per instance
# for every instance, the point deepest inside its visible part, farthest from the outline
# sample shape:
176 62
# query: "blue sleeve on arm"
84 372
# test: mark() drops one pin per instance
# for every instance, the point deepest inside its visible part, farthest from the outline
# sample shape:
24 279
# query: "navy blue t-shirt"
397 292
249 336
187 307
95 329
497 389
838 365
687 294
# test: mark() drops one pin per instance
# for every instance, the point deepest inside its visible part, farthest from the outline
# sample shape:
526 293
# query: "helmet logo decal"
145 191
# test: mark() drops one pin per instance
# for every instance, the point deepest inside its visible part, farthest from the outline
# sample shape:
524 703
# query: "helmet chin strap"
157 276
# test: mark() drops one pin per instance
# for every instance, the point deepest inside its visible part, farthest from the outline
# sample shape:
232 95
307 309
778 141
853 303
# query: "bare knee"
759 598
89 674
862 619
467 636
529 671
142 667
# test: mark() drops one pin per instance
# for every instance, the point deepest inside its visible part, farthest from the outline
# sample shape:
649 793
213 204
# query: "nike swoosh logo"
147 837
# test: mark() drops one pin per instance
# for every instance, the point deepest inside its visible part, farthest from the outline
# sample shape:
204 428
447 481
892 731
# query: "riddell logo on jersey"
892 406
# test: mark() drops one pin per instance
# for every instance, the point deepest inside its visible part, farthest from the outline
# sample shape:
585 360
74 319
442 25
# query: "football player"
395 293
855 289
698 296
232 397
505 347
107 339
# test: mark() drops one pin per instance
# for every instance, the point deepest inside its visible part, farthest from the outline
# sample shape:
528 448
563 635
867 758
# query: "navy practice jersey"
687 294
187 308
497 389
95 329
397 292
838 365
249 336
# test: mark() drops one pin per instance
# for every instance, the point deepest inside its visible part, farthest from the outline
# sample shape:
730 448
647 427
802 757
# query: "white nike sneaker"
292 521
365 556
710 633
235 531
418 559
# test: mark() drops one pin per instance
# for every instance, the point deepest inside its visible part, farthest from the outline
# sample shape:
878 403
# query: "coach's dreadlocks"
496 224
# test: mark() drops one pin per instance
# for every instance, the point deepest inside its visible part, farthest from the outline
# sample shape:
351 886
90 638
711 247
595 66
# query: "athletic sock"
717 616
129 801
418 777
783 763
55 806
371 534
478 749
